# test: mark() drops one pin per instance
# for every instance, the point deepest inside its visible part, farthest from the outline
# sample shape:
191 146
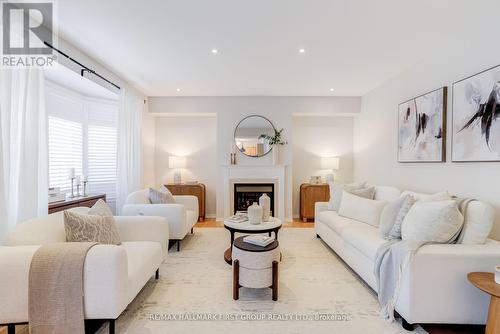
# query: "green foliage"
276 139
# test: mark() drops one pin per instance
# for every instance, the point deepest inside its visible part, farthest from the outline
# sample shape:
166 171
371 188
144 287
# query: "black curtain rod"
84 68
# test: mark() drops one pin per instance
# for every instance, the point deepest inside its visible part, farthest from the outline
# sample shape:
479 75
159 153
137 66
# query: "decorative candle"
497 274
78 179
71 173
85 178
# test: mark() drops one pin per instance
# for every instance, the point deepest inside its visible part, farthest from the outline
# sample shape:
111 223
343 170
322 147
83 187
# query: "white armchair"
113 275
181 215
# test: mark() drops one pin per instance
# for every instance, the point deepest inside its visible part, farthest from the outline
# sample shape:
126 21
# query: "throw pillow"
395 232
478 222
439 221
440 196
101 208
161 196
93 228
336 193
361 209
389 215
368 192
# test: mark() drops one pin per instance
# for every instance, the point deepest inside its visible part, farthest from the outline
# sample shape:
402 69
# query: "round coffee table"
273 225
486 283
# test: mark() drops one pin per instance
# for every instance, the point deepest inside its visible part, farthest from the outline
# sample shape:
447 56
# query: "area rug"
317 293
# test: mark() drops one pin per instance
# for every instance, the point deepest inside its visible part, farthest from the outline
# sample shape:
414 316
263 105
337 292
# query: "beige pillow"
101 208
161 196
91 228
336 193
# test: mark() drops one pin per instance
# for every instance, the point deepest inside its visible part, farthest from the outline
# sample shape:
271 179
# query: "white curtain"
23 147
129 168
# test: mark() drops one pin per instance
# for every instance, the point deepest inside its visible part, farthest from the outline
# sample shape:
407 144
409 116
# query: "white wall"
317 137
195 138
230 110
375 130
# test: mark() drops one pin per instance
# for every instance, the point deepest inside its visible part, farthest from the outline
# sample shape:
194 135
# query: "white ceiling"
351 45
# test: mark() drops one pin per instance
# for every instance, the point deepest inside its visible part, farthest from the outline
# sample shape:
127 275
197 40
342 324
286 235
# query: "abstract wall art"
422 128
476 117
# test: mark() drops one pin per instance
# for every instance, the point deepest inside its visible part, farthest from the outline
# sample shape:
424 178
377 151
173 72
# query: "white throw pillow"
389 215
478 223
362 209
336 193
432 222
440 196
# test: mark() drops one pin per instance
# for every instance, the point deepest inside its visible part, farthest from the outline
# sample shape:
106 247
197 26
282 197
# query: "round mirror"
250 136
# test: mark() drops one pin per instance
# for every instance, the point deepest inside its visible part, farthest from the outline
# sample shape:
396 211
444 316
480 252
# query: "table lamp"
330 164
177 163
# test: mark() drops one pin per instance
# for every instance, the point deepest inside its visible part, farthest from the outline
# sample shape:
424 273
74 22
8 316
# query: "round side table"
486 283
273 225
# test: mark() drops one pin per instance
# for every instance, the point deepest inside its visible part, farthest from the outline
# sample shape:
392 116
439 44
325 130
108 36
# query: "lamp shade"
330 163
176 162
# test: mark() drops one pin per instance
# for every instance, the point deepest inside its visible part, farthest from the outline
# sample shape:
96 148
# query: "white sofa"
113 275
435 287
181 215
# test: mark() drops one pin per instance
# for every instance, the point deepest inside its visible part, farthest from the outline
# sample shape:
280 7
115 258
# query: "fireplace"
247 193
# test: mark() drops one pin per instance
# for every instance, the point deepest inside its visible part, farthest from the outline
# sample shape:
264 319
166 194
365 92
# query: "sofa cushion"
143 258
336 193
90 228
335 222
440 196
478 223
362 209
386 193
437 221
364 238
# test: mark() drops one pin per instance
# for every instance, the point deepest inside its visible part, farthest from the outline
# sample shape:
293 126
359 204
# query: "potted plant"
275 141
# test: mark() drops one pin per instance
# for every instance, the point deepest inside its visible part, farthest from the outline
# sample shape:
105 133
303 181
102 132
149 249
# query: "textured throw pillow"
361 209
161 196
395 232
389 215
93 228
368 192
439 221
336 193
101 208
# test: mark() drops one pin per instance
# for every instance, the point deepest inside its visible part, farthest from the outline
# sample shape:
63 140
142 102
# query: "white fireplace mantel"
254 174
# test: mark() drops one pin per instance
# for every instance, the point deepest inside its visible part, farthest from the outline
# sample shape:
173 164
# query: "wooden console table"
69 203
196 189
309 195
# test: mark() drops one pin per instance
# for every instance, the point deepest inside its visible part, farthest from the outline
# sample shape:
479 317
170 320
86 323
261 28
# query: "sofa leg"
317 236
192 230
157 274
275 280
178 245
406 325
11 329
112 326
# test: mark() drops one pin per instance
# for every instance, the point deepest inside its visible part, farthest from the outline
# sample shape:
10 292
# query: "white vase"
265 203
275 155
254 212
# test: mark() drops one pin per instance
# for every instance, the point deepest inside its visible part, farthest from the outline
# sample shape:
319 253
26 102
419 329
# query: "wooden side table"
74 202
486 283
309 195
196 189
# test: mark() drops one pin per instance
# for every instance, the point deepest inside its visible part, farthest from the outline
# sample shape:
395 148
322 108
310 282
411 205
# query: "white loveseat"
113 275
181 215
435 287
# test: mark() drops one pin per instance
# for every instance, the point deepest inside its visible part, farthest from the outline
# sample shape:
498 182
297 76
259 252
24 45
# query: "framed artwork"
476 117
422 128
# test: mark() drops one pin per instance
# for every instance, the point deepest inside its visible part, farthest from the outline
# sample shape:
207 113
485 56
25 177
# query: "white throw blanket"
392 260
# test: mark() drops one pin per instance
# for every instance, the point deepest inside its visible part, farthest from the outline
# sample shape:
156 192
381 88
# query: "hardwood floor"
92 326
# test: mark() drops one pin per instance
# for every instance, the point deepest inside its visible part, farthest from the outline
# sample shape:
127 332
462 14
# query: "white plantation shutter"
65 151
82 135
102 141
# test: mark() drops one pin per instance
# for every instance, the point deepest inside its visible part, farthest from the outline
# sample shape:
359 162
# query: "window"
82 135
